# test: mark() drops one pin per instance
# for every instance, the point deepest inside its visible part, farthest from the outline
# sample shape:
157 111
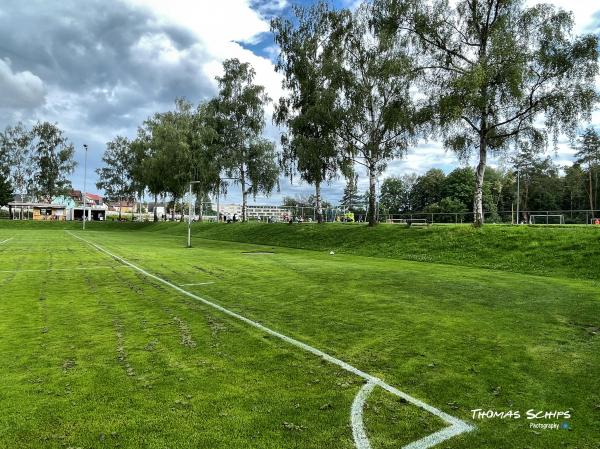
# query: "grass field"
96 354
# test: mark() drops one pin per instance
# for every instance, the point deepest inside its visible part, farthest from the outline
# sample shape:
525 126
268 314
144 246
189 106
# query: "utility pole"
84 184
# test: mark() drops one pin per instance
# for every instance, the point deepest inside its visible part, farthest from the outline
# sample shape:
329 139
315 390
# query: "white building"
255 212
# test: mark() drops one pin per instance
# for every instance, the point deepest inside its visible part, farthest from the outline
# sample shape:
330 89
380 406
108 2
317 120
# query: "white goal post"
545 219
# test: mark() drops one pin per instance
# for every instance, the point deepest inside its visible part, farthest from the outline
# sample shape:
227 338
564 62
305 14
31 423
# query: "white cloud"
220 27
20 89
583 11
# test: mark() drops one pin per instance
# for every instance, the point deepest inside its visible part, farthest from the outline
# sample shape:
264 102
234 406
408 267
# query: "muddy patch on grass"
121 351
184 330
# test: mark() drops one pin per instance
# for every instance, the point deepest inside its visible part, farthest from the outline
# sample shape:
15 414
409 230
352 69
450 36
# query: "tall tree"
575 192
239 122
539 181
6 191
16 158
395 195
52 158
588 155
459 185
351 199
494 67
378 109
309 59
115 176
428 189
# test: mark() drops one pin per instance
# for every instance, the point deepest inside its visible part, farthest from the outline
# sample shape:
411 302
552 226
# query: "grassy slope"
552 251
561 251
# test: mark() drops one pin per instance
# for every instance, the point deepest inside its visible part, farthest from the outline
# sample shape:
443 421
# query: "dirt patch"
186 335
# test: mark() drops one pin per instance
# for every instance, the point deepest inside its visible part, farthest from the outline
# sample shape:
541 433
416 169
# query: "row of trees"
218 141
486 76
35 161
543 186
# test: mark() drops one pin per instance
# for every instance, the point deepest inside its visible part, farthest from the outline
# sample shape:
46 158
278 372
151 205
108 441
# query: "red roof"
93 196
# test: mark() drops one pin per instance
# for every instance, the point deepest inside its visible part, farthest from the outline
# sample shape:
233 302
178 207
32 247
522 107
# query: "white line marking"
457 426
7 240
356 417
199 283
65 269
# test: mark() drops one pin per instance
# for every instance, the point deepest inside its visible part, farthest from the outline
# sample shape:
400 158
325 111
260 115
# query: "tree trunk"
318 202
244 195
155 208
591 189
120 206
372 195
173 209
478 218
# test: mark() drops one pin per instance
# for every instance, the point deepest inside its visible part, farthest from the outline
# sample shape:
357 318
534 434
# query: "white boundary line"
356 417
6 241
198 283
457 426
116 267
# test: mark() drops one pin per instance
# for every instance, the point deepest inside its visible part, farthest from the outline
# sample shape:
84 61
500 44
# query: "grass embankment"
565 251
559 251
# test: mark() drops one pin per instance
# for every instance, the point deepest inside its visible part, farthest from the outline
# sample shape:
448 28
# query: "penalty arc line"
457 426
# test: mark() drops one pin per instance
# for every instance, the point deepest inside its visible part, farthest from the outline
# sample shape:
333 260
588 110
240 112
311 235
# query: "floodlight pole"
84 183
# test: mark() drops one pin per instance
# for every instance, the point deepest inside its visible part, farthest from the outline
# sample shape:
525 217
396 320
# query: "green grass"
570 251
108 358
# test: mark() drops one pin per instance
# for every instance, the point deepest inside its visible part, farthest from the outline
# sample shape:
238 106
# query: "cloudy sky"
98 68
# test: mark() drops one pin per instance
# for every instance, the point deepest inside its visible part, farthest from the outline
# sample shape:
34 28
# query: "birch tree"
239 121
309 58
380 116
496 69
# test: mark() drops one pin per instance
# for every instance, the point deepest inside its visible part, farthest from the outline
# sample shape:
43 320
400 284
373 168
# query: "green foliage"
116 176
460 186
428 189
394 197
16 161
588 154
492 69
446 205
309 58
52 161
238 117
6 191
379 114
351 200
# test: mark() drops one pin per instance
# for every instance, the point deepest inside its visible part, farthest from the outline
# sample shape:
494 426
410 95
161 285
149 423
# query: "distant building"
160 209
124 206
255 212
94 206
38 211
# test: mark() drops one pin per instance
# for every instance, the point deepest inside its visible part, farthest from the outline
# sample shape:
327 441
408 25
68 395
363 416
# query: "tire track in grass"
456 425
